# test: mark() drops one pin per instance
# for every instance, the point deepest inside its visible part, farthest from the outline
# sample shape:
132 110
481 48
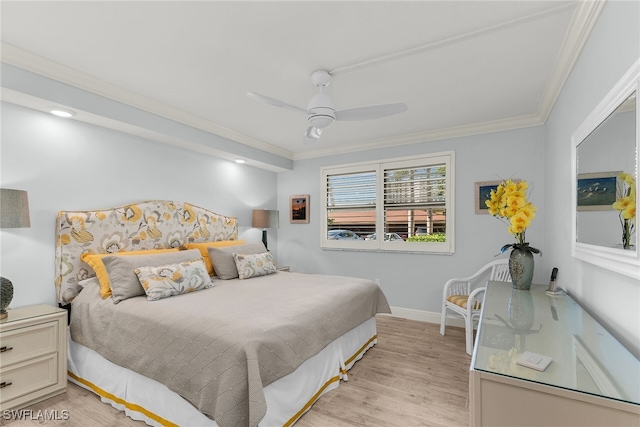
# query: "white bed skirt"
147 400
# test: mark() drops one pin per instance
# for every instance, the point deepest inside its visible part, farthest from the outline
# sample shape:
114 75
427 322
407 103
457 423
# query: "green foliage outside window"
435 237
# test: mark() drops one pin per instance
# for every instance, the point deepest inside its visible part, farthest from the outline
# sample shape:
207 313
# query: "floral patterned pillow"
174 279
254 265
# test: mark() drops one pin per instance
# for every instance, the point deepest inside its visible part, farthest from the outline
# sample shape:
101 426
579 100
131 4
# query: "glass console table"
592 380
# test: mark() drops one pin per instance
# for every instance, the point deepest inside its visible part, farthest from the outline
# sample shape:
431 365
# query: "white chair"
462 297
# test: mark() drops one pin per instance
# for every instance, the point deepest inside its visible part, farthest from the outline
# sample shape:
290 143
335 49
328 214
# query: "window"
394 205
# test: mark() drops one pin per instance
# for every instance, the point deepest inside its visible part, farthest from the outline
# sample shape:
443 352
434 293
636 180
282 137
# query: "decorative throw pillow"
254 265
202 247
174 279
222 258
123 281
96 263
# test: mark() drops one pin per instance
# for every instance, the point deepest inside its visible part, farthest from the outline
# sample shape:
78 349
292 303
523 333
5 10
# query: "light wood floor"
412 377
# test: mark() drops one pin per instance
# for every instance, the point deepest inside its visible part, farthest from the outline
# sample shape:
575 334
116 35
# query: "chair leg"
468 327
443 318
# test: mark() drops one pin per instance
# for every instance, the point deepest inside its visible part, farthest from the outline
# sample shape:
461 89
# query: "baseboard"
425 316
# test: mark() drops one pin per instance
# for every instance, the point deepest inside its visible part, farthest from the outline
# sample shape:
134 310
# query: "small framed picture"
299 209
483 193
597 191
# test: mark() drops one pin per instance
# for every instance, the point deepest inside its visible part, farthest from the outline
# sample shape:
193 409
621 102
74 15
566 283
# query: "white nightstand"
284 268
33 355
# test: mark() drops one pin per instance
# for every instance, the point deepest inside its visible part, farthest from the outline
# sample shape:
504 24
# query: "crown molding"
435 135
582 22
447 41
29 61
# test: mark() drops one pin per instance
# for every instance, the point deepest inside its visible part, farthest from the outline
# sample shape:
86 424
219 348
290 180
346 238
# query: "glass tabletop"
585 357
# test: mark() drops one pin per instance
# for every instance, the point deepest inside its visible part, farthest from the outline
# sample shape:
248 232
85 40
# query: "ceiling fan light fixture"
320 121
313 133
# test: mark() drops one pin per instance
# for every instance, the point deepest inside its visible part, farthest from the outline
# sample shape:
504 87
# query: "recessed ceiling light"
241 161
61 112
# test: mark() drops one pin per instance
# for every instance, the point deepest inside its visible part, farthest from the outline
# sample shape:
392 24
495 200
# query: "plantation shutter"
415 197
351 202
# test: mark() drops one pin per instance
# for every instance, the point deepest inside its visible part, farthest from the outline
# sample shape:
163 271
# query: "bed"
174 338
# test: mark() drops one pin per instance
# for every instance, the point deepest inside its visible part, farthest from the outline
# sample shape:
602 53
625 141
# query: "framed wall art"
482 194
597 191
299 209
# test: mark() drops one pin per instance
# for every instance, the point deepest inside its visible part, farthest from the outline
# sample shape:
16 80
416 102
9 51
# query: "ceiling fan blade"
312 135
275 102
372 112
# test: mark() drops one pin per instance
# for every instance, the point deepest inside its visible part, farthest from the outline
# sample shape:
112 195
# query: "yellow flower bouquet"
509 202
626 204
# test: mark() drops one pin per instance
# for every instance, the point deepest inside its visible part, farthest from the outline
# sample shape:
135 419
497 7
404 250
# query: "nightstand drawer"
29 342
26 377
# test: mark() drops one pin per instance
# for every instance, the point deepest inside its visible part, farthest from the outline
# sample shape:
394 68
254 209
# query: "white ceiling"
462 67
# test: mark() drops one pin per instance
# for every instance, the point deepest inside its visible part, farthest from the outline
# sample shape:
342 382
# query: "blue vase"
521 267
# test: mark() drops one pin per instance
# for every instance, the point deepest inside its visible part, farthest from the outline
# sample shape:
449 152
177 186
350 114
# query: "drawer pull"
4 384
5 348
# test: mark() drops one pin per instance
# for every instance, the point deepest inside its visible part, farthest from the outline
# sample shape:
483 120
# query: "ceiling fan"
321 112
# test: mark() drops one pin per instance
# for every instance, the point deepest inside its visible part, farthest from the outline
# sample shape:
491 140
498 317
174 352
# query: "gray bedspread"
219 347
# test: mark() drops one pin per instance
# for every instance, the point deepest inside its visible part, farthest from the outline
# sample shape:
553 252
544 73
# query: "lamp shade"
263 218
14 209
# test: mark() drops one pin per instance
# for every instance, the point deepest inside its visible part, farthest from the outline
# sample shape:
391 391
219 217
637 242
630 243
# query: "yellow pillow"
202 247
95 262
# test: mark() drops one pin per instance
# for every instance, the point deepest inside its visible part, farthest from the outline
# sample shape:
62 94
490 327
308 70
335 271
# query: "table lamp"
263 218
14 213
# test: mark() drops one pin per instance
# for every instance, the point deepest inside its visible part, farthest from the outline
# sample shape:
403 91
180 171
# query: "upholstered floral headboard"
147 225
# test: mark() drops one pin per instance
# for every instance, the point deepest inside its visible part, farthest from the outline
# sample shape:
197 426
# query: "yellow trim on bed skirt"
311 401
331 380
131 406
351 359
138 408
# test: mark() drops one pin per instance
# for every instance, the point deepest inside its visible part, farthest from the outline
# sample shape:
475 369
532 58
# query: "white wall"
65 165
612 47
414 281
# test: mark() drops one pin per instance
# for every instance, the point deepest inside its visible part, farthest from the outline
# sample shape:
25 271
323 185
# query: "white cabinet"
592 381
33 355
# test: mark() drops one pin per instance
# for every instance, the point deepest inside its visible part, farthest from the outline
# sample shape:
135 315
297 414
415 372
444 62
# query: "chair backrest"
500 271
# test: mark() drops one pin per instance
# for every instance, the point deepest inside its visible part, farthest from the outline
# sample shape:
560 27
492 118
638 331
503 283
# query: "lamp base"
264 238
6 295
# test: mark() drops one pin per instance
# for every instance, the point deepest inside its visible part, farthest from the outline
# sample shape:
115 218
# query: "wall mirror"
605 151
